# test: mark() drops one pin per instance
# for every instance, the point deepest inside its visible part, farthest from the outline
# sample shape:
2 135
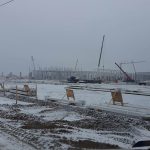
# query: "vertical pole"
3 89
36 91
134 71
16 94
101 51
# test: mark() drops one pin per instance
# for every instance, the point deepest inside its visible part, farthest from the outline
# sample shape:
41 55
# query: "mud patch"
46 125
88 144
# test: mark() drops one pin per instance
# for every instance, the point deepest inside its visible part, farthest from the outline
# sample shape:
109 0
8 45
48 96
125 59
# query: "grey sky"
57 32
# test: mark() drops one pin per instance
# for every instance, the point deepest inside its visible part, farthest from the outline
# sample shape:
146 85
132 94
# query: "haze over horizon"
57 33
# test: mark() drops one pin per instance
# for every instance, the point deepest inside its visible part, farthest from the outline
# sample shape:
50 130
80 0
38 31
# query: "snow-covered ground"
91 97
8 142
101 99
135 105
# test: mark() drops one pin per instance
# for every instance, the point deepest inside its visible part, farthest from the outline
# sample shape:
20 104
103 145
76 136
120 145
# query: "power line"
6 3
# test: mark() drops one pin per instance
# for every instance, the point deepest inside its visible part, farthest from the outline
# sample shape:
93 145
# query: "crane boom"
132 62
129 79
101 51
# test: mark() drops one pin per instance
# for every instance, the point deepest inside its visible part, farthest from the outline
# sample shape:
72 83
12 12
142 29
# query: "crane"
133 64
129 79
76 65
33 64
101 51
6 3
32 59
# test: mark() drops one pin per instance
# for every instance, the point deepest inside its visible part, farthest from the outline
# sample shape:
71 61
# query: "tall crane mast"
76 65
33 71
32 59
101 51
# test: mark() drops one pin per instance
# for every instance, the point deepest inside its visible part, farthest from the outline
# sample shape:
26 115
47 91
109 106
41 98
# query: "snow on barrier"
124 108
70 94
103 89
25 91
117 97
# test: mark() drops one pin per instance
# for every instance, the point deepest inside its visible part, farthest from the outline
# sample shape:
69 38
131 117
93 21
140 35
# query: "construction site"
105 75
72 109
61 108
48 114
99 101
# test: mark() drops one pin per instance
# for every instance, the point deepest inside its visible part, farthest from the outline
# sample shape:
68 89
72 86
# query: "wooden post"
27 89
36 91
3 88
16 94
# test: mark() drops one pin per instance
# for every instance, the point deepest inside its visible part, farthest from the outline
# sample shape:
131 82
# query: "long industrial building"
103 74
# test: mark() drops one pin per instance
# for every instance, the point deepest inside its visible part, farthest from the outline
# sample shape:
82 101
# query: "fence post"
3 88
16 94
36 91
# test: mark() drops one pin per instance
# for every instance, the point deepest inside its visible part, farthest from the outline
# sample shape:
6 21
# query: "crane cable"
6 3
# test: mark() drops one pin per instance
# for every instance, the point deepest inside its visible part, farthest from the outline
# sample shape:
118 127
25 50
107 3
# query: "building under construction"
103 74
59 74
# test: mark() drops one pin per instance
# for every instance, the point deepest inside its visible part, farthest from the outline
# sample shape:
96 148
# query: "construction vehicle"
73 79
133 64
128 78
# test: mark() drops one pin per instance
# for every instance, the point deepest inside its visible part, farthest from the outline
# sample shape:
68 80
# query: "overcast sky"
58 32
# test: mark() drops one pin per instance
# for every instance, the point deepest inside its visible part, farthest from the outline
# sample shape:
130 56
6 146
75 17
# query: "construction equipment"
101 51
76 65
133 64
73 79
34 68
32 59
128 78
98 79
